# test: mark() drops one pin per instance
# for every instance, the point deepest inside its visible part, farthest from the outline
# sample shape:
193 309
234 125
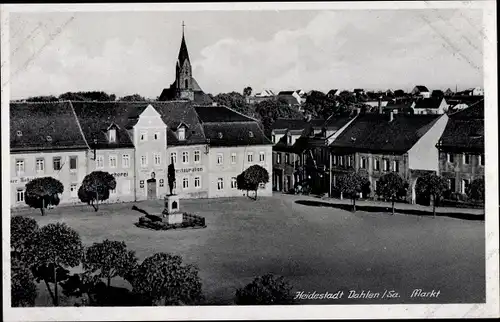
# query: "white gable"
150 118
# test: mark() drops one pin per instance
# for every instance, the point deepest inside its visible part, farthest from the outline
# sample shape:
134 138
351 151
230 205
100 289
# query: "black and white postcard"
249 161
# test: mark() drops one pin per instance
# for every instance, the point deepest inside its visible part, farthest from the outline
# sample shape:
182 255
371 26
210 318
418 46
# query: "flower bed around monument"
188 221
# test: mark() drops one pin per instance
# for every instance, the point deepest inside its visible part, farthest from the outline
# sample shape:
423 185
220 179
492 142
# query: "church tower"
184 73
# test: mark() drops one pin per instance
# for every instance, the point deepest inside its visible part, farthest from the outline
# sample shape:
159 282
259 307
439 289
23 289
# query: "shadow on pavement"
418 212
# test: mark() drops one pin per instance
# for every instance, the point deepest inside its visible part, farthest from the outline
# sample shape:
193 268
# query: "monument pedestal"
172 213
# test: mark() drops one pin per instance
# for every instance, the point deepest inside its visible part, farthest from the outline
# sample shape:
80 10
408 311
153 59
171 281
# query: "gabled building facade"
461 148
376 144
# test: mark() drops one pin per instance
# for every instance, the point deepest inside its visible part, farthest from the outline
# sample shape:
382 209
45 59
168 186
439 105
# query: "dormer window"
112 135
49 138
181 134
19 133
250 134
220 135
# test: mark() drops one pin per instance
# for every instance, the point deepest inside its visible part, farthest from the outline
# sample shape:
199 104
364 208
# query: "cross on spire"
183 25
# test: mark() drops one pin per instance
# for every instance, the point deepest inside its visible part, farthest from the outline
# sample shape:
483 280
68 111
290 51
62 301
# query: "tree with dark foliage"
391 186
251 178
434 186
42 192
133 98
23 289
351 184
56 246
87 96
162 279
96 187
475 190
265 290
109 259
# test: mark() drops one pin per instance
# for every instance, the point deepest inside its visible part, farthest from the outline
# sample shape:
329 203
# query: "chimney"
391 116
380 110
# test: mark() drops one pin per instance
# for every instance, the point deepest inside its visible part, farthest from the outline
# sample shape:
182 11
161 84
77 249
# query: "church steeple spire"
183 52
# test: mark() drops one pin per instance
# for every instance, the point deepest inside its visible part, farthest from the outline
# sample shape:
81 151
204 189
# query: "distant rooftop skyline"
126 53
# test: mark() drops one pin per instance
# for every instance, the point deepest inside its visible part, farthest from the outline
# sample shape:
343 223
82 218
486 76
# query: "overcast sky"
126 53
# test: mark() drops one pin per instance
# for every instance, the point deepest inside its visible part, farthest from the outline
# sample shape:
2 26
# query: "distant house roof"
169 94
404 107
429 103
376 133
44 126
289 99
421 88
210 114
465 130
286 93
289 124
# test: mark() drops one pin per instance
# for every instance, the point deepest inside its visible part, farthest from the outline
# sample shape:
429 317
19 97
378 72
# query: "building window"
334 159
250 156
99 161
185 157
376 164
144 136
262 156
40 165
185 183
197 155
287 158
73 163
144 161
181 134
386 165
220 158
465 185
56 162
157 135
451 185
20 195
341 160
362 163
349 161
233 183
125 161
126 187
197 182
450 157
173 157
289 139
278 158
481 159
112 161
186 83
395 166
73 191
466 158
112 136
157 157
273 138
162 183
233 158
220 184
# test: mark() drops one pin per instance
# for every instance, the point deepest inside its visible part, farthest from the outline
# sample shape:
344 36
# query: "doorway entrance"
151 189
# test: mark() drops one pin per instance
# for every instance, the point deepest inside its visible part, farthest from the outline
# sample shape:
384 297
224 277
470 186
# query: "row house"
236 142
286 160
42 145
376 144
461 148
431 105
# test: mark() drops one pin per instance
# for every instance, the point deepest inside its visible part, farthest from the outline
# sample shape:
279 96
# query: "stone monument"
172 213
